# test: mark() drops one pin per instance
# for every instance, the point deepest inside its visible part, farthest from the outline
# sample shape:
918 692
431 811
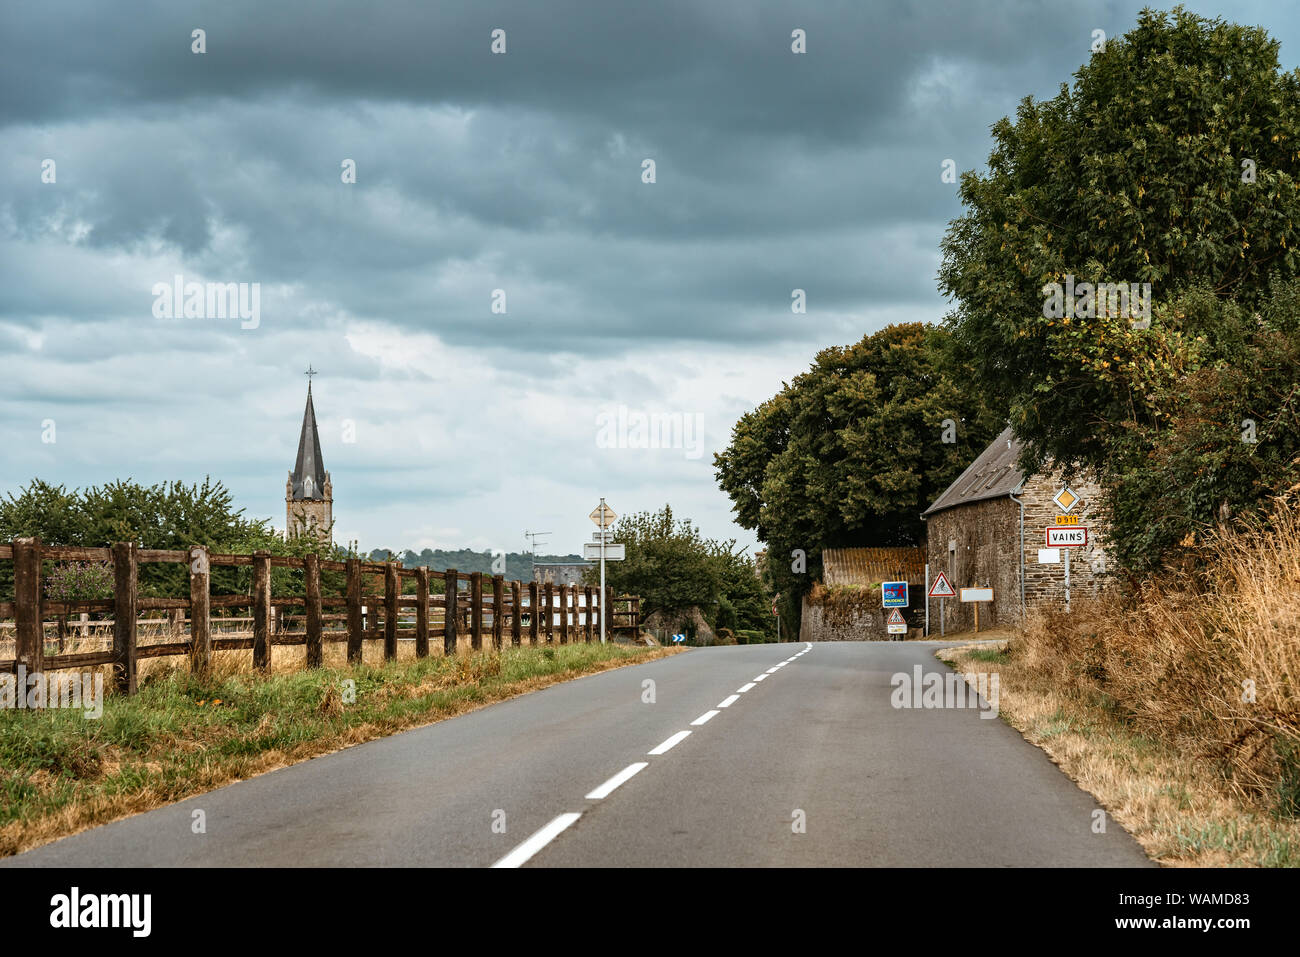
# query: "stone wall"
978 545
1088 566
832 617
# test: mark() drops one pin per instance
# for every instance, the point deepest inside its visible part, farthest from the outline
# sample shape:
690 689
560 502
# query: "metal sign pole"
1067 578
603 595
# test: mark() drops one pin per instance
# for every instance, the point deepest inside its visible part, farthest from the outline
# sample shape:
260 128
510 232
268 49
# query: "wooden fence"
486 606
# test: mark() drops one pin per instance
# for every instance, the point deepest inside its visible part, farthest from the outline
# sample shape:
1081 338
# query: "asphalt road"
816 743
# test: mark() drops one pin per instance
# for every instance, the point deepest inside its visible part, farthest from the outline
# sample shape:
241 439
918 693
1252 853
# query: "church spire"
309 477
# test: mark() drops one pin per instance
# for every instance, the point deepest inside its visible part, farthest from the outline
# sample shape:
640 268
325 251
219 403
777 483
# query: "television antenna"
532 538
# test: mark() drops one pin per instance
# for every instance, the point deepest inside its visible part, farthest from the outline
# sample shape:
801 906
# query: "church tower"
309 494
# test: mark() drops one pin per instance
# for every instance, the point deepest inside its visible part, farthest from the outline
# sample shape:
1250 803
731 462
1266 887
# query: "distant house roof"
867 566
993 474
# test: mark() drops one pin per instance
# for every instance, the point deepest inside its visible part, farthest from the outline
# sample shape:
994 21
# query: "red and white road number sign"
1067 536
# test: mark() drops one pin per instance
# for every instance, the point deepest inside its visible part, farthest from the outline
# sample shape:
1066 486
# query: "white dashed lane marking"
529 848
521 854
670 743
608 787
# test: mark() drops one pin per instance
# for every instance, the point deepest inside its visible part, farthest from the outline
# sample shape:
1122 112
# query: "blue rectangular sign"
893 594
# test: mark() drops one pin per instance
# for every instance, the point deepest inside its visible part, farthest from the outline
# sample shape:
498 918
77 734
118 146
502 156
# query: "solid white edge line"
608 787
704 717
670 743
521 854
745 688
728 701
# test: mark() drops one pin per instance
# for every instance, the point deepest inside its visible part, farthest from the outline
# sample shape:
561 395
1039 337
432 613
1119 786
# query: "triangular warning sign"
942 588
896 618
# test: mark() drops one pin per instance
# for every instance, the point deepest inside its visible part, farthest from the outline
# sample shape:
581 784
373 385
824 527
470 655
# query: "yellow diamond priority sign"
1066 499
603 515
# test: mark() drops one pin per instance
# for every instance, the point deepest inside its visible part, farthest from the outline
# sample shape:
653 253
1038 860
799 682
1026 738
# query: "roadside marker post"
975 596
927 600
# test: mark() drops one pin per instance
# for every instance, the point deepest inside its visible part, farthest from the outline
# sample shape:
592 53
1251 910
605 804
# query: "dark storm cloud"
475 172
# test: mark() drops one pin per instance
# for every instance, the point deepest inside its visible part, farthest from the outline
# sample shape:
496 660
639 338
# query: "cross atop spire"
309 373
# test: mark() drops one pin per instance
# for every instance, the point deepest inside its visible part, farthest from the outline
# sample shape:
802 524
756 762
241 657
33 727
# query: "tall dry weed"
1208 662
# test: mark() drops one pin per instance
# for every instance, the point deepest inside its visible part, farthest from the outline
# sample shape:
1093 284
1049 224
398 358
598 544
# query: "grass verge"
180 736
1181 811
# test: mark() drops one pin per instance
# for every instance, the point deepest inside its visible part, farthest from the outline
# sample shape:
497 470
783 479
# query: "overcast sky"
475 172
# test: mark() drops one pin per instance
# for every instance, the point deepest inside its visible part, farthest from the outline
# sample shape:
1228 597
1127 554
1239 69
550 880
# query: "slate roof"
867 566
993 474
309 464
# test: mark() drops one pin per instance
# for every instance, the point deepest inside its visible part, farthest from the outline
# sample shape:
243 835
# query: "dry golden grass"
1179 707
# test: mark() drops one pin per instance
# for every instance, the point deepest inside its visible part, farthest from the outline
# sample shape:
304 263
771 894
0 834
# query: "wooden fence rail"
373 610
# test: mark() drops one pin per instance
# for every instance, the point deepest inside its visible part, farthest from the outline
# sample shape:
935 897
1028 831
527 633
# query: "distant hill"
519 565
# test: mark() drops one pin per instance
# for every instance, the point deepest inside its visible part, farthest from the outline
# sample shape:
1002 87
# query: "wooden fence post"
607 611
355 634
516 626
548 604
565 595
262 611
422 612
586 601
200 627
124 612
450 611
534 617
498 600
315 646
30 631
476 610
390 611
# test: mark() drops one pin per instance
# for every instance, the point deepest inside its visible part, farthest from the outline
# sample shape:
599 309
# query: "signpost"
604 517
893 594
896 623
1067 533
941 589
977 595
612 552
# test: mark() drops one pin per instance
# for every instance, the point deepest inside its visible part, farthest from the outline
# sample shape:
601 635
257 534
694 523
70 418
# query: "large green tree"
673 567
853 450
1172 161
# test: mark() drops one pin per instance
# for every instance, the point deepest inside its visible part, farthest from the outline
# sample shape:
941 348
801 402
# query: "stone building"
846 604
309 493
987 529
560 573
